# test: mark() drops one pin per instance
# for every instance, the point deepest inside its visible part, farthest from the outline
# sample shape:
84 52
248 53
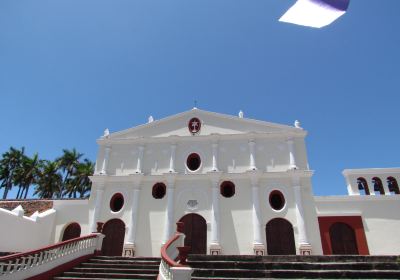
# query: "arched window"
378 187
393 186
363 185
159 190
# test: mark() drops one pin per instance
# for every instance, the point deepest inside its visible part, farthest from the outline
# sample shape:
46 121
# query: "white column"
134 213
350 189
256 213
292 156
215 222
385 186
97 208
214 157
172 158
104 166
252 148
302 232
169 217
140 159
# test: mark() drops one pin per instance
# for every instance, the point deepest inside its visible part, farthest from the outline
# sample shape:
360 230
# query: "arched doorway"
280 237
343 239
73 230
113 243
195 230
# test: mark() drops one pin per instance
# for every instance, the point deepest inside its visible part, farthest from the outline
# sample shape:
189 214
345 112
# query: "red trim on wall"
48 275
353 221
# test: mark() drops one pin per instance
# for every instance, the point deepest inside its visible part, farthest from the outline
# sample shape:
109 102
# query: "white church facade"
240 186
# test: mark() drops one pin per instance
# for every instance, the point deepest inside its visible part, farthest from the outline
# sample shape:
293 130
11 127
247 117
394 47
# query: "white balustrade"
29 264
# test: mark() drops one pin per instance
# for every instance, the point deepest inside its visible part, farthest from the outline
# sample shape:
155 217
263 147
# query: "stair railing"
173 258
37 262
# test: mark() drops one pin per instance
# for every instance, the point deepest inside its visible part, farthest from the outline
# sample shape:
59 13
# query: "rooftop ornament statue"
106 133
241 114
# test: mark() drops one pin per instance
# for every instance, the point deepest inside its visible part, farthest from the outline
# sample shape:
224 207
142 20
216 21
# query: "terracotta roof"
30 206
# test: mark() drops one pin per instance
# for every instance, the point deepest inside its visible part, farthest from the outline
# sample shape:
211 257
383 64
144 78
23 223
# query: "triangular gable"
211 123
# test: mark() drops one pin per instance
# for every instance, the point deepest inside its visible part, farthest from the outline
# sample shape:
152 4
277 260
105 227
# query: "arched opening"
363 186
195 230
227 189
73 230
343 239
378 186
113 242
159 190
393 186
280 237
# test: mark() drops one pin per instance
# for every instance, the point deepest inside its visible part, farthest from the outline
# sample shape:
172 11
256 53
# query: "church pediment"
202 123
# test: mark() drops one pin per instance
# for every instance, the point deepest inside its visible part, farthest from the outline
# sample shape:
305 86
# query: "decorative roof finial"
195 105
241 114
297 124
106 133
151 119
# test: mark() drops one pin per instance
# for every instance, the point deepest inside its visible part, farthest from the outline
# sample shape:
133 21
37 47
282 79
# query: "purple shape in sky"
315 13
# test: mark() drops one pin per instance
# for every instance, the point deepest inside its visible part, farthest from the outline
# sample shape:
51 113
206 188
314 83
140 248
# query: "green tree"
9 165
27 174
49 184
68 163
79 182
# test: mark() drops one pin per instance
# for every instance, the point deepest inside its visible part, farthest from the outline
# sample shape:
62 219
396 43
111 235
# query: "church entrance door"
195 230
280 237
343 239
113 242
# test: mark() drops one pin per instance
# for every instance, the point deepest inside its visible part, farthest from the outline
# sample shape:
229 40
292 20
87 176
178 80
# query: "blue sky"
69 69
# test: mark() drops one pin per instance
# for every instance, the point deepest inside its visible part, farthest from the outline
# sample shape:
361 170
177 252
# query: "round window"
117 202
158 191
193 162
227 189
276 200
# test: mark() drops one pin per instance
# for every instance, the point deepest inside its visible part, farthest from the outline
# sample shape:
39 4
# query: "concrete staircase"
321 267
103 267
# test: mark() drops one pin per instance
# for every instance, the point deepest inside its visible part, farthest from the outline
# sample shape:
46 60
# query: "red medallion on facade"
194 125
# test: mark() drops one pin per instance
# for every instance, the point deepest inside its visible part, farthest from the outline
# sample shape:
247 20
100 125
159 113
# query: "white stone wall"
380 216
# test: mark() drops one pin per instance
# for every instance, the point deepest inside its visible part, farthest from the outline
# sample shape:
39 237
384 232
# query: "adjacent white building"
241 186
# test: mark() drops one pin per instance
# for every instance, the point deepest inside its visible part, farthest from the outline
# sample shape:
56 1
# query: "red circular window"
193 162
227 189
158 191
117 202
276 200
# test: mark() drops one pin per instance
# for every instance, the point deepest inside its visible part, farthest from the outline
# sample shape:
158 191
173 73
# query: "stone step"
109 275
294 265
298 274
85 270
127 258
83 278
294 258
123 265
126 261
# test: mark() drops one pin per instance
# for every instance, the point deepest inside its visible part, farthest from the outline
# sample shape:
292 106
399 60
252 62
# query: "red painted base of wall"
48 275
354 221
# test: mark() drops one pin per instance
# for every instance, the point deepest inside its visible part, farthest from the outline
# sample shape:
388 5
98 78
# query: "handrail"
171 252
164 255
54 246
29 264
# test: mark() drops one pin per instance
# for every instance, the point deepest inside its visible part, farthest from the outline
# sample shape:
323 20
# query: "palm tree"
28 174
68 163
9 166
84 184
49 184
